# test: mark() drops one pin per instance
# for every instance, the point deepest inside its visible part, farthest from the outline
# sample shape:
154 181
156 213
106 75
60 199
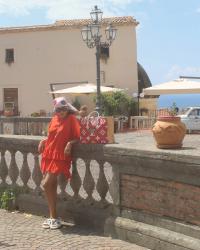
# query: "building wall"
60 55
149 103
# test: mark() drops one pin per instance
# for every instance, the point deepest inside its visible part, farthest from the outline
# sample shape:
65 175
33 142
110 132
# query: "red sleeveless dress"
60 132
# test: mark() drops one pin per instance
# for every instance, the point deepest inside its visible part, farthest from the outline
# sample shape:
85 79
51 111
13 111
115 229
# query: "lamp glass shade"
110 33
86 33
114 32
95 29
96 15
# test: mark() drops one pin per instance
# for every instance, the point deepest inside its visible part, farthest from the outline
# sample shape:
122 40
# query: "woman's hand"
41 146
68 148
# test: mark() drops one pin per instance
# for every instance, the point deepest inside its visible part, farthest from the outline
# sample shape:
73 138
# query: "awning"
85 89
179 86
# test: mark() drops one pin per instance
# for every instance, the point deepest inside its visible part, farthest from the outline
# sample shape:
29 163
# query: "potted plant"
8 112
169 131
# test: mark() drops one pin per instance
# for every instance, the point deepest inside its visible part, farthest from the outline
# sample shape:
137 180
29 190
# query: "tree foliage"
117 103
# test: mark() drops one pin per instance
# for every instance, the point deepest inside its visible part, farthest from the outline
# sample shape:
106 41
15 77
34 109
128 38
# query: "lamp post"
138 96
92 37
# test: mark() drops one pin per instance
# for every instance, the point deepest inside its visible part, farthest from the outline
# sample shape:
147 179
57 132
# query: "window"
104 52
11 99
195 112
9 56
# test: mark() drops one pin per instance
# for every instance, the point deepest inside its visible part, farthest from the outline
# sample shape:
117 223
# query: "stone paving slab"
143 140
20 231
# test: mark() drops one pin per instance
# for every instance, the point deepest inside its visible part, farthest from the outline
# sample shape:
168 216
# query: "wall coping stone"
185 155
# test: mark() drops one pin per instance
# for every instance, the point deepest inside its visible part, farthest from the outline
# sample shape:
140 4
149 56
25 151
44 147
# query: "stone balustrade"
85 197
134 191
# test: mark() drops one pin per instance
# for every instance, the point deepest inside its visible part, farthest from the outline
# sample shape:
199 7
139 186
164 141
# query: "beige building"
33 57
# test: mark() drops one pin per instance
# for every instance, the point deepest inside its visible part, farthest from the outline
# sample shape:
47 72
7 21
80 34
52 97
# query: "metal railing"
24 125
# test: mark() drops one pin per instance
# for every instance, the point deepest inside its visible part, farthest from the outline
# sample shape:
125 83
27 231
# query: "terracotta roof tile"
75 23
113 20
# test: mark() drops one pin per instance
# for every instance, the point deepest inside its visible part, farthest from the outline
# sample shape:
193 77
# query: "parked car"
191 118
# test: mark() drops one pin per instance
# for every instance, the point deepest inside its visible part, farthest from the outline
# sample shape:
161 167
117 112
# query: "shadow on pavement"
78 229
6 244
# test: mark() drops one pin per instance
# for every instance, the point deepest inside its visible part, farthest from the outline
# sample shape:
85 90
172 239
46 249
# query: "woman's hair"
71 112
84 108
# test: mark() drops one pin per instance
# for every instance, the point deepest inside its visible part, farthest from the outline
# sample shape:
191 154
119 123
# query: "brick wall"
167 198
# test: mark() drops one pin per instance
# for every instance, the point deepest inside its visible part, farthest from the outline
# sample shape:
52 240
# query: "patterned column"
88 182
13 170
102 184
3 168
37 175
75 182
62 182
25 172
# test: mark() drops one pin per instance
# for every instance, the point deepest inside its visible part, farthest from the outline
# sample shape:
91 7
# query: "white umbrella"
85 89
179 86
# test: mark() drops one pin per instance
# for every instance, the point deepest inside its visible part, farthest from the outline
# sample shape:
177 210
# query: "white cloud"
65 8
177 71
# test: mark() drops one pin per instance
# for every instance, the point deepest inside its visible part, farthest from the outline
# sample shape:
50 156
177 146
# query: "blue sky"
168 37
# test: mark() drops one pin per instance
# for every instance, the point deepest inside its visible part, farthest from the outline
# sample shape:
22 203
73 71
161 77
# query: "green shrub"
8 196
117 103
76 103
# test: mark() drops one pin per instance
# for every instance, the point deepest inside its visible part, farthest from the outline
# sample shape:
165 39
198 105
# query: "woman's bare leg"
50 187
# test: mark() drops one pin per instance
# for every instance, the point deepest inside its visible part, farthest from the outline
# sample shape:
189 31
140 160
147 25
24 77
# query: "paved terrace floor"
143 140
20 231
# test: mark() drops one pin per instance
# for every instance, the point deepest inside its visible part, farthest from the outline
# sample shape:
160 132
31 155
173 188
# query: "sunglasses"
64 109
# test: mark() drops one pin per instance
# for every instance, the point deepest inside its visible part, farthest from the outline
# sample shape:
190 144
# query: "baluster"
114 187
13 170
75 182
36 174
1 127
62 182
25 172
102 184
88 183
3 168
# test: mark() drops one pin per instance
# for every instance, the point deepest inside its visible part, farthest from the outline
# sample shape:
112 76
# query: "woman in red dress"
63 132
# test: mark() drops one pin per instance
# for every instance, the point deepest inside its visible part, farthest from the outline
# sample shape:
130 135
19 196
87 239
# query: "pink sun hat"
60 102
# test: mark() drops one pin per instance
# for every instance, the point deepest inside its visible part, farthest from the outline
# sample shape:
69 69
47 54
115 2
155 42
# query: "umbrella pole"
51 87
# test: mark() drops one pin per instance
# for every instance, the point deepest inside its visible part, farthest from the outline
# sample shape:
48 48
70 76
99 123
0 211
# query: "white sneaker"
46 223
55 224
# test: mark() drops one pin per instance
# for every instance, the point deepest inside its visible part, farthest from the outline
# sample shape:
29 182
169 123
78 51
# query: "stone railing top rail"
25 119
119 151
30 143
141 146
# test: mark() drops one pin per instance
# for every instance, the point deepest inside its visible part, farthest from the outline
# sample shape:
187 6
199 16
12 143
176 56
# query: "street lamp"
92 37
138 96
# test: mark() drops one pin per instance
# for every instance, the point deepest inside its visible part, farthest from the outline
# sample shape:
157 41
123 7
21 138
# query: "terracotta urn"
169 132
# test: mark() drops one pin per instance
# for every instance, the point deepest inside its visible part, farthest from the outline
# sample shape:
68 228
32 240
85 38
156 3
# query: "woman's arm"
68 147
41 146
75 134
